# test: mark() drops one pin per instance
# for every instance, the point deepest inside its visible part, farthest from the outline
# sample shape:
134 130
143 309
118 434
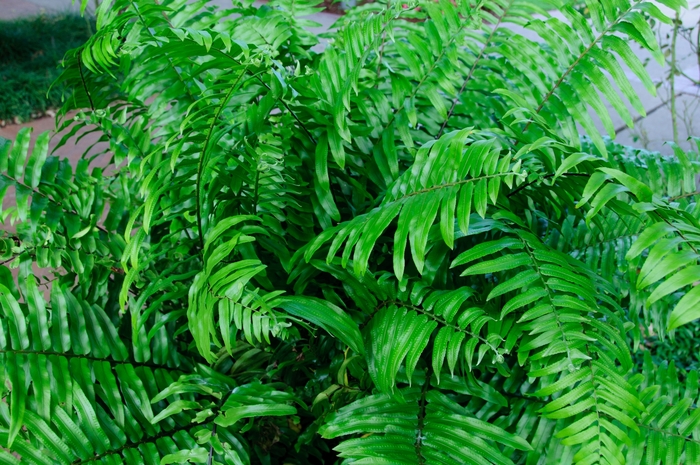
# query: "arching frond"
222 278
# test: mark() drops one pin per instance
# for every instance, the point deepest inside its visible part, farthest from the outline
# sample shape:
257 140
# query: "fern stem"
551 300
570 69
667 433
90 358
82 80
444 322
597 411
456 183
211 446
472 69
201 166
421 416
54 201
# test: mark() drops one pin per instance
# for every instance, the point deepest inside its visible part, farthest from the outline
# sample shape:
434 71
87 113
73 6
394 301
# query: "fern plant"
390 248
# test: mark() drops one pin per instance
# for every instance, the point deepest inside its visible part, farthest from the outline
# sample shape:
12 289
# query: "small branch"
211 446
667 433
82 79
5 262
640 117
456 183
672 78
689 194
421 417
677 231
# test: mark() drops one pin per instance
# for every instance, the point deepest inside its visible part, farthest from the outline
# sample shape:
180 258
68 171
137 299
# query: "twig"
641 117
672 78
82 79
211 446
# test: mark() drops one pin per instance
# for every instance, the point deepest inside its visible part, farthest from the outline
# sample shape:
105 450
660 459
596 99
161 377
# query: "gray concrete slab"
31 7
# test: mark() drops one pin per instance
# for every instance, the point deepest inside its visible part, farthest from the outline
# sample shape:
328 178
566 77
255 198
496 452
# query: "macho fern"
393 247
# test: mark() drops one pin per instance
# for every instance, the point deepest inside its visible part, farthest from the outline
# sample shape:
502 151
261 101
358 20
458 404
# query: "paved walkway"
11 9
650 132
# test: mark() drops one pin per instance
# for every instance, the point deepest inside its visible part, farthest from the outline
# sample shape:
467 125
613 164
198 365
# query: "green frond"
425 426
222 278
447 179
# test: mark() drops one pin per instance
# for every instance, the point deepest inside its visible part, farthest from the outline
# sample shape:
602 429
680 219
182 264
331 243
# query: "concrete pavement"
11 9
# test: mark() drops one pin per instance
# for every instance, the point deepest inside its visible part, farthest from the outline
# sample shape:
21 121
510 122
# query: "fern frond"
426 426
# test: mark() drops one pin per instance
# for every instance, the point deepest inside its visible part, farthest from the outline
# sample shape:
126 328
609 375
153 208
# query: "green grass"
31 50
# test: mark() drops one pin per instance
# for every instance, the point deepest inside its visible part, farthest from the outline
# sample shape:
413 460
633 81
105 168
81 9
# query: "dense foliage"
397 250
30 52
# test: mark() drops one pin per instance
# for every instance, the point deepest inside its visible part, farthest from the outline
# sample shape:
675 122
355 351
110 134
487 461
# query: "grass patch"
31 50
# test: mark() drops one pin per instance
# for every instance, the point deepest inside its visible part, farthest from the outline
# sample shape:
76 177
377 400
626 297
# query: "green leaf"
41 384
658 270
196 455
507 262
233 415
175 408
49 439
326 315
108 383
464 206
681 279
322 184
18 155
526 298
18 394
647 238
37 159
571 161
605 195
486 248
440 350
640 190
687 309
518 281
18 330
